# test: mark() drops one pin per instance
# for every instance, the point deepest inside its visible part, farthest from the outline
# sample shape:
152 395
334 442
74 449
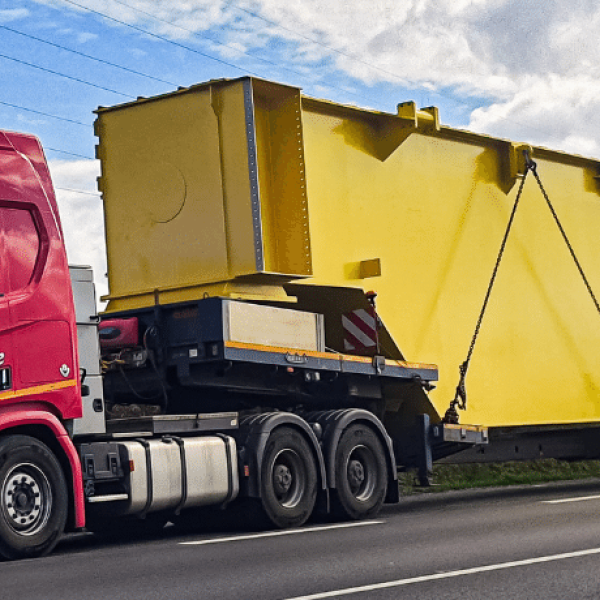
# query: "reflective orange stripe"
326 355
39 389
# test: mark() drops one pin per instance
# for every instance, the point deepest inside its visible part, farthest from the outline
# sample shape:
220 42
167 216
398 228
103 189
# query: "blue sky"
518 69
33 32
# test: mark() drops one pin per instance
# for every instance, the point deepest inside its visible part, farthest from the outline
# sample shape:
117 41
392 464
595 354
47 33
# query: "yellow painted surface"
435 212
282 179
339 187
155 196
180 192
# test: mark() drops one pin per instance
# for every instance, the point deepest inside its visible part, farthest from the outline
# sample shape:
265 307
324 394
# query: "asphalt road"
542 542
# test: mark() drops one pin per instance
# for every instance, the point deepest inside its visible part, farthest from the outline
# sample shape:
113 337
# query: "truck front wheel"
33 498
288 478
360 474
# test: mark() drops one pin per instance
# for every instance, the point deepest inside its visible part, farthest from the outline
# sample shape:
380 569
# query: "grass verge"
460 477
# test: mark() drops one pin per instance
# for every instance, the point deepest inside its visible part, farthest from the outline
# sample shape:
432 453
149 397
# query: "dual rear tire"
289 479
360 474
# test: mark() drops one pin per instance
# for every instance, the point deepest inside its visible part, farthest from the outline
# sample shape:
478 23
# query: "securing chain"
567 242
460 396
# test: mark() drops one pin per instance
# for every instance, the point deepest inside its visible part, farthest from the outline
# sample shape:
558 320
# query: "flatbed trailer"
275 262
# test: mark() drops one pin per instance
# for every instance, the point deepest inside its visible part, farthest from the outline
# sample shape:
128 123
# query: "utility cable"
243 69
201 35
357 59
96 194
318 42
160 37
48 149
94 85
37 112
100 60
249 54
273 23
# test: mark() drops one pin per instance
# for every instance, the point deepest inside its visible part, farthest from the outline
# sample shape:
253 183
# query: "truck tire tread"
30 469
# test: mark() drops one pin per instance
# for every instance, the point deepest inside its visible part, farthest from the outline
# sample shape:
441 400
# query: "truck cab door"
6 357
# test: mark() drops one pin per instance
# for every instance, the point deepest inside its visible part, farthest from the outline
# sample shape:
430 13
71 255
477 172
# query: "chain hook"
530 164
460 397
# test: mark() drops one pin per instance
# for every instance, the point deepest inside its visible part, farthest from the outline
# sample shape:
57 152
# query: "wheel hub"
288 478
361 473
356 474
21 500
283 479
26 499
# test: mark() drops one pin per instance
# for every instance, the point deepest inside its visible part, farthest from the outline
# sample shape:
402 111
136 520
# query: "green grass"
460 477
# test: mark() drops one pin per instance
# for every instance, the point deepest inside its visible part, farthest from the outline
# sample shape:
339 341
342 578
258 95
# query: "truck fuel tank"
178 473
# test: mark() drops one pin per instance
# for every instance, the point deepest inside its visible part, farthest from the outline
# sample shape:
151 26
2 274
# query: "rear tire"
33 498
288 479
360 474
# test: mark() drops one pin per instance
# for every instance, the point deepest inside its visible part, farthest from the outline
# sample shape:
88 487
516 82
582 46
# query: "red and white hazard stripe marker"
360 331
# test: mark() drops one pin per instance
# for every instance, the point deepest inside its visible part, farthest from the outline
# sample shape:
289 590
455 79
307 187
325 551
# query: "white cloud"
234 50
527 62
550 110
535 66
13 14
137 53
537 63
447 41
81 215
477 44
85 36
29 122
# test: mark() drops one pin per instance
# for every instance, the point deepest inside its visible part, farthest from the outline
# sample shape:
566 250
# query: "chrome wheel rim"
289 478
361 473
26 499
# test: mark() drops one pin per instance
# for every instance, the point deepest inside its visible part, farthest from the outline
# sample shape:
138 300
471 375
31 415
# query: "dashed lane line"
437 576
564 500
255 536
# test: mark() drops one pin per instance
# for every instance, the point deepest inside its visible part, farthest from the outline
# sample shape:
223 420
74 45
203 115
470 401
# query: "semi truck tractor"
273 261
205 384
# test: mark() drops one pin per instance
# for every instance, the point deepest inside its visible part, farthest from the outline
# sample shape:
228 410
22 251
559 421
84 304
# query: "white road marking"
238 538
563 500
449 574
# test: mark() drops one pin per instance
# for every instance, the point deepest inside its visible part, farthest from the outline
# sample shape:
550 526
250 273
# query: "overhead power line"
96 194
160 37
38 112
210 57
318 42
355 58
94 58
100 87
212 39
48 149
202 35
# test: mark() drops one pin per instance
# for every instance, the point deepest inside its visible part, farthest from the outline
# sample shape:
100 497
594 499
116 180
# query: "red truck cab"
40 387
37 319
